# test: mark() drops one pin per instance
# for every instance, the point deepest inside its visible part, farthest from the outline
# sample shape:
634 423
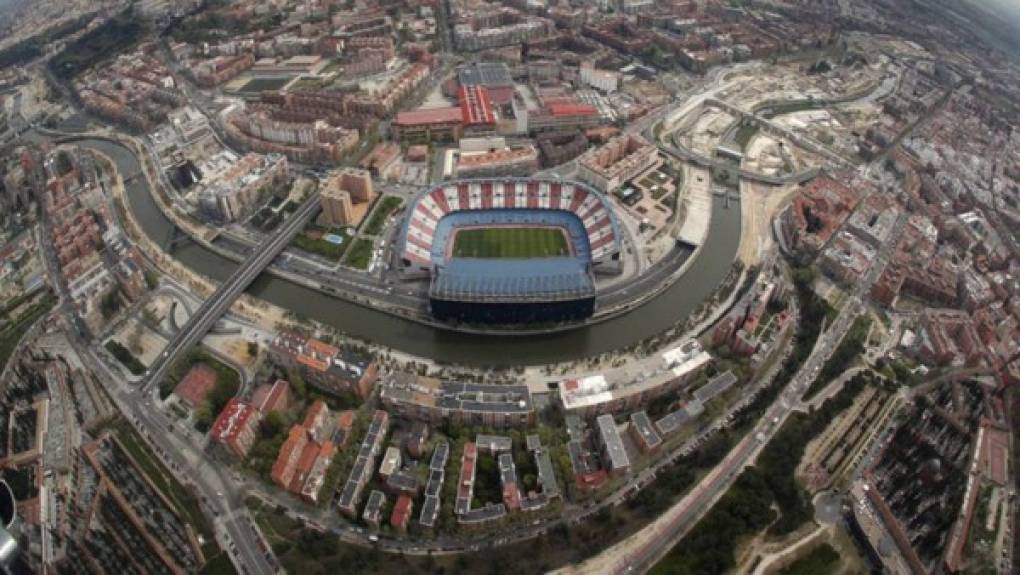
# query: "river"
710 267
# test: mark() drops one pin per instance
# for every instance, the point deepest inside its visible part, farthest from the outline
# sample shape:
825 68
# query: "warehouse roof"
429 116
489 74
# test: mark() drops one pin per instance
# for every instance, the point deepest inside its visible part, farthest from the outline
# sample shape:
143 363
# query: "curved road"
703 275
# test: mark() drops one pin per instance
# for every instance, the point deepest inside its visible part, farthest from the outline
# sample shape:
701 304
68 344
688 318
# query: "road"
640 552
180 457
217 304
682 153
672 526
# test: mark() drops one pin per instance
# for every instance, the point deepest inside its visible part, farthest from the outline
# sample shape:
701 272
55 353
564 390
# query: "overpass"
217 304
770 127
682 153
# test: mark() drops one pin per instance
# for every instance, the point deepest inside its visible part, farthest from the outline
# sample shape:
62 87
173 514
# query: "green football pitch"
513 242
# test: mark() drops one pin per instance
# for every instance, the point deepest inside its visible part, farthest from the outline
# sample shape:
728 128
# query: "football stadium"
510 250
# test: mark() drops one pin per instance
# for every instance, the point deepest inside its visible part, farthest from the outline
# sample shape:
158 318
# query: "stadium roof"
512 280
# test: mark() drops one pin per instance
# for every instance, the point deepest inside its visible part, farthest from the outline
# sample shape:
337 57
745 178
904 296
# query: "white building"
602 80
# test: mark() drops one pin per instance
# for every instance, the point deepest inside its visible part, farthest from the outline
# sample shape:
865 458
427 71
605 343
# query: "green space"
257 85
213 25
309 83
766 495
791 107
487 486
125 357
980 546
822 560
31 48
342 464
275 427
11 335
359 254
228 382
273 430
743 135
384 207
845 354
101 43
510 242
709 546
183 499
266 220
334 66
304 549
315 242
111 303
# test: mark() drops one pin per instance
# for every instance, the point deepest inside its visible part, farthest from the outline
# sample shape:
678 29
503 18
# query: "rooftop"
610 436
488 74
196 384
232 420
643 424
429 116
715 386
592 390
408 388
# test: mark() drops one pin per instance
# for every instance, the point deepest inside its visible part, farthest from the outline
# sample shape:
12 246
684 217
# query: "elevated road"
217 304
682 153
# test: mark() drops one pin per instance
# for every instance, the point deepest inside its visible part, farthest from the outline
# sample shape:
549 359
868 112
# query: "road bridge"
217 304
687 155
770 127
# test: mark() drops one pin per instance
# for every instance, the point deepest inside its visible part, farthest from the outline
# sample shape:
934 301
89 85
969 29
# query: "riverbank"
406 338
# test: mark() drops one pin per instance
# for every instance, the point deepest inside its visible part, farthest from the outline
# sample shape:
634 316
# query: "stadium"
510 250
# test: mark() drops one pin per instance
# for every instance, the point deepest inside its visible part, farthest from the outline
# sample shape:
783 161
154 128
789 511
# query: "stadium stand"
510 290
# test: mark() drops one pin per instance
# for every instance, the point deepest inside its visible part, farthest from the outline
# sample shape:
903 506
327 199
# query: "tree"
253 348
203 416
109 305
297 383
272 425
530 481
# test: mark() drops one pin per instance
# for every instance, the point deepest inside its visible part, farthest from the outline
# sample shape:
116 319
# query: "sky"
1009 9
1002 19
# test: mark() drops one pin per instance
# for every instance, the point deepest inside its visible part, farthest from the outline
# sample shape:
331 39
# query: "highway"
217 304
686 514
678 520
682 153
181 457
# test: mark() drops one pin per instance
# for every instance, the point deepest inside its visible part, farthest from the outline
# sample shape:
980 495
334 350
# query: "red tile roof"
314 413
571 109
429 116
196 384
232 420
475 106
401 511
304 465
276 397
286 461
